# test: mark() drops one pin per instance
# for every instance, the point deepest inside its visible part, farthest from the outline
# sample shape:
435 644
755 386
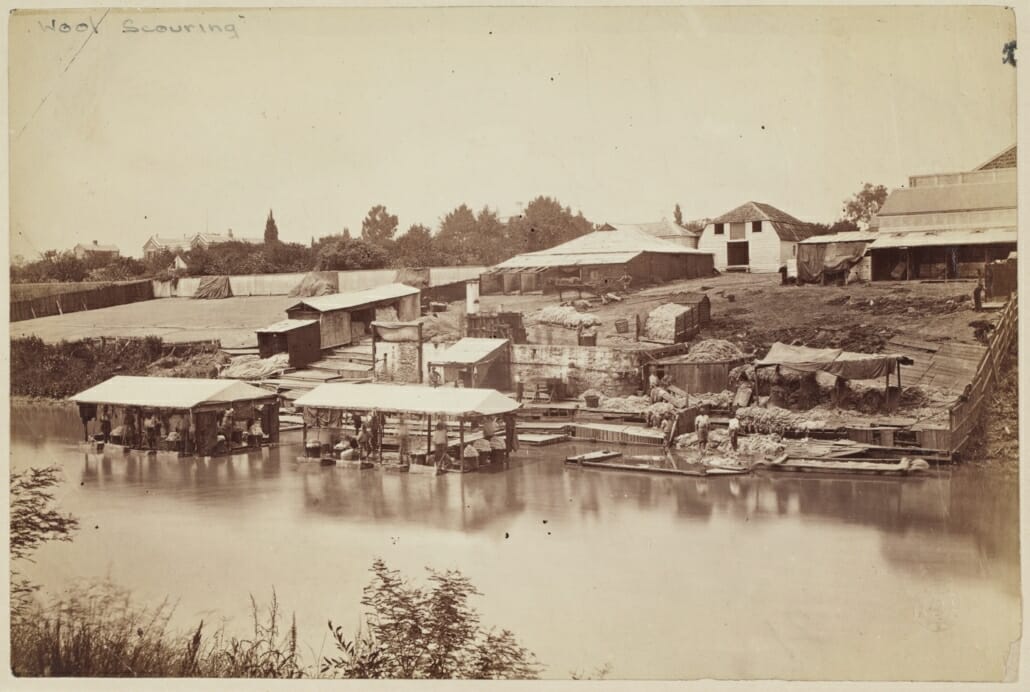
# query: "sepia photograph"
569 343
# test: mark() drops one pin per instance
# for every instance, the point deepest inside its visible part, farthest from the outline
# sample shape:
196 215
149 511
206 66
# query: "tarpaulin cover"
315 284
412 276
212 287
396 331
816 258
846 364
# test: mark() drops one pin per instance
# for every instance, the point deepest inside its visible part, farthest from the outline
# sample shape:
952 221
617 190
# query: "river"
660 577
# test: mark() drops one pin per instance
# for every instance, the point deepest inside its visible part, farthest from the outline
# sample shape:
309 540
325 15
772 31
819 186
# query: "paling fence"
282 284
84 299
964 415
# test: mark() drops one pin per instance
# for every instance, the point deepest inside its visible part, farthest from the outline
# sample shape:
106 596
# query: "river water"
659 577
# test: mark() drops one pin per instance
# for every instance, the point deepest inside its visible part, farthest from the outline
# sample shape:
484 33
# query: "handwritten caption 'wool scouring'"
131 26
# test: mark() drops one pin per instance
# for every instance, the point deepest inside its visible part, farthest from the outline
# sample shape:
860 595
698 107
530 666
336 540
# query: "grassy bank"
55 371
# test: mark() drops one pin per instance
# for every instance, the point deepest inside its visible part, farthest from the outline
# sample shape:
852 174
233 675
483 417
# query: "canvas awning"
394 398
931 238
471 351
847 364
814 259
169 392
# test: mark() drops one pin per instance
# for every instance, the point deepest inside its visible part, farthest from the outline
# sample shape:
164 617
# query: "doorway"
737 254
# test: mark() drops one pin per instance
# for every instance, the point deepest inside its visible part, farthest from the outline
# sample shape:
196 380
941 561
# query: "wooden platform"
619 434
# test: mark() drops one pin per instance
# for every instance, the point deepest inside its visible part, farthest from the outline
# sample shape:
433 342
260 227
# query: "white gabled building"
754 237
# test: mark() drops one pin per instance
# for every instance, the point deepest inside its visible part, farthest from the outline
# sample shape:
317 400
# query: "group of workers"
368 433
176 432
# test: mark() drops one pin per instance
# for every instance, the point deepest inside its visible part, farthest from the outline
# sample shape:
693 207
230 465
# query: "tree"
339 253
677 215
416 248
426 633
271 231
490 242
457 235
378 226
545 224
864 204
34 521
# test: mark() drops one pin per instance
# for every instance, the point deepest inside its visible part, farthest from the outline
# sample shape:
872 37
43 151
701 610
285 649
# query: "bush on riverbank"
39 369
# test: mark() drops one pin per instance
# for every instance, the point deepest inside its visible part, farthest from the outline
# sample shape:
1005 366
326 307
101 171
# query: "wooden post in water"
461 441
429 436
380 424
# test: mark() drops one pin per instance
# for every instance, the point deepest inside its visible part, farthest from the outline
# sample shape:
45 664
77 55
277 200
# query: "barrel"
588 339
622 326
592 401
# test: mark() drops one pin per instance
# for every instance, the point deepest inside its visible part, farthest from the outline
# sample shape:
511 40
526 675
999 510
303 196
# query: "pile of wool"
723 399
767 420
625 404
712 351
253 368
661 322
769 446
566 317
716 437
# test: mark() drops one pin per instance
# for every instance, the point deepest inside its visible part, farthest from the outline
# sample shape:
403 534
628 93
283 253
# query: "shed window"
718 229
756 226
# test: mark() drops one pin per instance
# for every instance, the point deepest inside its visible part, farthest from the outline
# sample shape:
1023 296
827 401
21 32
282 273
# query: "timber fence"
964 415
86 299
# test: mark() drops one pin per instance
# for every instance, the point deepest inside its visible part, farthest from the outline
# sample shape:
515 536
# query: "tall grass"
97 631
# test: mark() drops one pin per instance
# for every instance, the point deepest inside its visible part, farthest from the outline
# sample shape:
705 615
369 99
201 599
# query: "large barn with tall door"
754 237
600 258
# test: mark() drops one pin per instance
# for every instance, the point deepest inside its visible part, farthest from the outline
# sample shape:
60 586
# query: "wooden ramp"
540 440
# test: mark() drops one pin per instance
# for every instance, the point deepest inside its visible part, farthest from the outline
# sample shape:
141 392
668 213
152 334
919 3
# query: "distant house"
96 250
157 244
754 237
948 225
664 229
206 240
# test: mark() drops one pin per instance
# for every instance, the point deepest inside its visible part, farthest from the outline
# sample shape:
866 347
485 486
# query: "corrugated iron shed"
357 299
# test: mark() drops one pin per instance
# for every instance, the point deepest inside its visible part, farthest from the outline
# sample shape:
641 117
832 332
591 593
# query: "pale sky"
618 112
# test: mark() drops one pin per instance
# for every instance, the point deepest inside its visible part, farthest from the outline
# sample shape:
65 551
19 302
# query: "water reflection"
957 527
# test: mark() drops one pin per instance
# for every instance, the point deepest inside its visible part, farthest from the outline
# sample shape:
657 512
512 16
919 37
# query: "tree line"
464 237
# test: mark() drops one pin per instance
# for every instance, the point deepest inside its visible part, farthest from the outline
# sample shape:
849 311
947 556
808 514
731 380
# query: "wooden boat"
904 467
599 455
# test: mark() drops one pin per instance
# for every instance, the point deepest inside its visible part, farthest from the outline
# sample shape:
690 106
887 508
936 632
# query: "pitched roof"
356 299
166 242
1000 194
469 350
1006 159
216 238
285 326
615 246
169 392
91 247
786 226
390 398
657 229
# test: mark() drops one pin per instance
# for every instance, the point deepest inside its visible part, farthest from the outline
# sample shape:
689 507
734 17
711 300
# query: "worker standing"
701 426
440 444
978 294
434 378
734 431
519 388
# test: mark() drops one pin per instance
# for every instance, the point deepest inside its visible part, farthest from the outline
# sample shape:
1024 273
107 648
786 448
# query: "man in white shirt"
734 431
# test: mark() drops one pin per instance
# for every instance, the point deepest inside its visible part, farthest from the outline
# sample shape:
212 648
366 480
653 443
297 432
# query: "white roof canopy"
169 392
944 238
469 351
357 299
393 398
